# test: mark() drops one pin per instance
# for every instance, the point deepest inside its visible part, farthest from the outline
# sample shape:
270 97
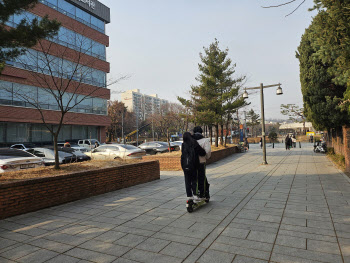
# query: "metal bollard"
273 145
299 144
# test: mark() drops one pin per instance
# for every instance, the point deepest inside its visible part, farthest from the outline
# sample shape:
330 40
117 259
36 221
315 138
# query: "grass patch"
49 171
337 159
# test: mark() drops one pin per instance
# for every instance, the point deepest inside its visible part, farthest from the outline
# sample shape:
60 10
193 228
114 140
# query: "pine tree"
14 41
216 96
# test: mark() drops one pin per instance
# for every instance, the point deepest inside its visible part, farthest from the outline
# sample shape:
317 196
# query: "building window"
61 68
66 37
76 13
38 133
29 96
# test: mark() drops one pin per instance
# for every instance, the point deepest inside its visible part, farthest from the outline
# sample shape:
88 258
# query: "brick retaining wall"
31 195
169 163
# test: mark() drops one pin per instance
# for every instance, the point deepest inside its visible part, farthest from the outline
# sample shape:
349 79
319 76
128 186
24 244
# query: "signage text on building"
91 3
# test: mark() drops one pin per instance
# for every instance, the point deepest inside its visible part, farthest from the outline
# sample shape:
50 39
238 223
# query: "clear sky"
157 44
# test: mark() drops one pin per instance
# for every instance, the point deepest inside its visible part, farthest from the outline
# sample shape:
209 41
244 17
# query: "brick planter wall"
31 195
168 163
343 148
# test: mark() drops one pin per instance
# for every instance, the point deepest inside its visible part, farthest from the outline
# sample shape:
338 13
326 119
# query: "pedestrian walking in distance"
260 143
191 151
203 185
288 142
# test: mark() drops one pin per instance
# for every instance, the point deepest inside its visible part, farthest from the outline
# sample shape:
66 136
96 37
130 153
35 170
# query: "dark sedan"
156 147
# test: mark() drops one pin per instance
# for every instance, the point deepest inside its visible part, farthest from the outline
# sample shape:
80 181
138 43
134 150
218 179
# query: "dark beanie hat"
197 129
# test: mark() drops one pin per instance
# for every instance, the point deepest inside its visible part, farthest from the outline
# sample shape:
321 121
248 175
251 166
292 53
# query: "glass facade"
76 13
61 68
15 94
66 37
11 133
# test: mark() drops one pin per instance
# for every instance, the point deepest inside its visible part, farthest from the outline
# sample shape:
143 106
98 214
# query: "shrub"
330 150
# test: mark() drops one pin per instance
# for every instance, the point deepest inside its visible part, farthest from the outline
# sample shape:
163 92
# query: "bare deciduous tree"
301 2
66 79
168 120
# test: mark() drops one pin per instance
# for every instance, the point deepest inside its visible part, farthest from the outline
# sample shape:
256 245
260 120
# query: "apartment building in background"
141 104
82 32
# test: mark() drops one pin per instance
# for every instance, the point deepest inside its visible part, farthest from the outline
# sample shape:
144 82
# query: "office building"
82 32
142 104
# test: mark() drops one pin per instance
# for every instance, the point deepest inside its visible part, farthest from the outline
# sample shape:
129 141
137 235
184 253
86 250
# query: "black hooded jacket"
190 142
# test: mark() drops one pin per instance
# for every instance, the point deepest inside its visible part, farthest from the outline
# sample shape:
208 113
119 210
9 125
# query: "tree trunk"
222 135
211 134
168 139
226 134
216 135
57 161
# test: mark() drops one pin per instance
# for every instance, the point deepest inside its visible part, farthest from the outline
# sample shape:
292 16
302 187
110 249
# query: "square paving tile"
105 248
38 256
19 252
174 248
90 255
153 245
211 256
150 257
321 246
243 259
130 240
290 241
262 236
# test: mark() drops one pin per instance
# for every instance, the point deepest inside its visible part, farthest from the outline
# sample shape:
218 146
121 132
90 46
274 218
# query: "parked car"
156 147
22 146
114 151
73 146
79 156
15 160
178 144
48 156
88 144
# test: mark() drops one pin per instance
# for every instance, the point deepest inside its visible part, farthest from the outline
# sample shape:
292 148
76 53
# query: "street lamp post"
245 96
123 126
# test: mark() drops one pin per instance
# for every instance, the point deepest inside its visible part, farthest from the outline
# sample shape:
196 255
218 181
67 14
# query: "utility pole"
245 124
152 129
137 127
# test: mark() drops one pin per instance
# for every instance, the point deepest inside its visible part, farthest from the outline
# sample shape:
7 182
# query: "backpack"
189 158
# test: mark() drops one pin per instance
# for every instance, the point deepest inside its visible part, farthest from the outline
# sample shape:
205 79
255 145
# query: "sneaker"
190 198
198 199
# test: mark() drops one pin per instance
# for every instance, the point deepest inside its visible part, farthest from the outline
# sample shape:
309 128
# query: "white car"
15 160
88 144
22 146
177 143
115 151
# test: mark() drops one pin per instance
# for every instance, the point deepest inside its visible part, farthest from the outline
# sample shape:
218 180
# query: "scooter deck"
191 205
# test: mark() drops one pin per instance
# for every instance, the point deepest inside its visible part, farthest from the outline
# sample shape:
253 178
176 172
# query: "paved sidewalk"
296 209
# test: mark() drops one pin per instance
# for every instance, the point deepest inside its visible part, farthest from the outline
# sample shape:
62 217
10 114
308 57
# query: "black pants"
203 185
191 182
